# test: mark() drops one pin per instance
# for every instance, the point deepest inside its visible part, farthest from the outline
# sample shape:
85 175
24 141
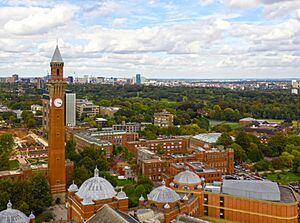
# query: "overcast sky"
159 39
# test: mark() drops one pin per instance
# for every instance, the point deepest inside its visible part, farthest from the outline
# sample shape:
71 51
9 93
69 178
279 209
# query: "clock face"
58 102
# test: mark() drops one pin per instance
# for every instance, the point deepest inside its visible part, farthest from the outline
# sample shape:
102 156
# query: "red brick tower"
56 133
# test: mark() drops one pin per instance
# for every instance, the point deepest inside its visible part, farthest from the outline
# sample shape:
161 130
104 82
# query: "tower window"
222 213
57 72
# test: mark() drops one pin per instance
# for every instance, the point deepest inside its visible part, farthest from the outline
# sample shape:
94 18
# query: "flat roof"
90 139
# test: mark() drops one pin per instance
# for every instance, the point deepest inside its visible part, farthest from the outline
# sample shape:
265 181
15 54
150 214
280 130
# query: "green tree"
277 144
222 128
102 163
39 192
262 165
88 163
225 140
254 153
6 143
239 153
243 140
80 174
278 163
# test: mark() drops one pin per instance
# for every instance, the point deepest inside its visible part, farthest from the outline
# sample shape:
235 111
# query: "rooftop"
253 189
57 56
108 214
208 137
91 139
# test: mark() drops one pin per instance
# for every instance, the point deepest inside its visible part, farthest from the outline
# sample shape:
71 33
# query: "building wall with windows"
161 146
70 109
163 119
238 209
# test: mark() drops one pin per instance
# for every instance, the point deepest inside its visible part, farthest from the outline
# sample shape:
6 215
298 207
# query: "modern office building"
138 79
85 107
70 109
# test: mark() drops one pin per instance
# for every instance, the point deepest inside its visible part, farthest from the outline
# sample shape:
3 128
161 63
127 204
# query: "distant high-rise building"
70 109
294 91
138 79
295 86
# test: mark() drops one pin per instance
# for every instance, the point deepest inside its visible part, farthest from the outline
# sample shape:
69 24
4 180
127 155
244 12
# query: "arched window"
57 72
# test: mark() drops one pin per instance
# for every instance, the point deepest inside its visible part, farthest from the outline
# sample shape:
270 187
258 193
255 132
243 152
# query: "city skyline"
159 39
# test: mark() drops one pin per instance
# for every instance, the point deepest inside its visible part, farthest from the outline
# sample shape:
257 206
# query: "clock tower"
56 133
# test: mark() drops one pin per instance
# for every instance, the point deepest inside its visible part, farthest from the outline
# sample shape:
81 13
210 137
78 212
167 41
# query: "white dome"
12 215
163 194
121 195
73 187
166 206
141 198
187 177
96 188
185 198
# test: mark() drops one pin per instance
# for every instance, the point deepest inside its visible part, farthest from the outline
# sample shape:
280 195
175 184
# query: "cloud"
206 2
118 22
105 8
109 38
41 22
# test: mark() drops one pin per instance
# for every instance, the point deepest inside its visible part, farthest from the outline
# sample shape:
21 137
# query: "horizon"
158 39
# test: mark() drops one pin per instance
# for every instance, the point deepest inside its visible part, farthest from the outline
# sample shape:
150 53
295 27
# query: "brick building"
250 201
209 164
166 146
92 195
85 140
244 201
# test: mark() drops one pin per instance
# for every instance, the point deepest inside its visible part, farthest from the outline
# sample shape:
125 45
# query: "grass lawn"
233 125
284 178
14 164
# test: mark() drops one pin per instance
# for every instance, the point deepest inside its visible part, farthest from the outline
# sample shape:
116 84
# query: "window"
57 72
206 211
222 201
222 213
205 198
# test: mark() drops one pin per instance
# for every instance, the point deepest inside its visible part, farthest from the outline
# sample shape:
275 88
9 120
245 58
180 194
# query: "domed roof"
96 188
73 187
163 194
12 215
166 206
187 177
121 195
185 198
141 198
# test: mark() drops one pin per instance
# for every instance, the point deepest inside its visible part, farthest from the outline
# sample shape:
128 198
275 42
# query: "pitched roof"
108 214
56 56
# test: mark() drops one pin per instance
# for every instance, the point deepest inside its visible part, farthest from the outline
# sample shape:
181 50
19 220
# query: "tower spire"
56 58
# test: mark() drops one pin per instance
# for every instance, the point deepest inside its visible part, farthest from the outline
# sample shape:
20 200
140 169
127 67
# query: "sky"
156 38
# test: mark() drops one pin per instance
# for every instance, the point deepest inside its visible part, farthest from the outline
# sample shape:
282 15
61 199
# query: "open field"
233 125
284 178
